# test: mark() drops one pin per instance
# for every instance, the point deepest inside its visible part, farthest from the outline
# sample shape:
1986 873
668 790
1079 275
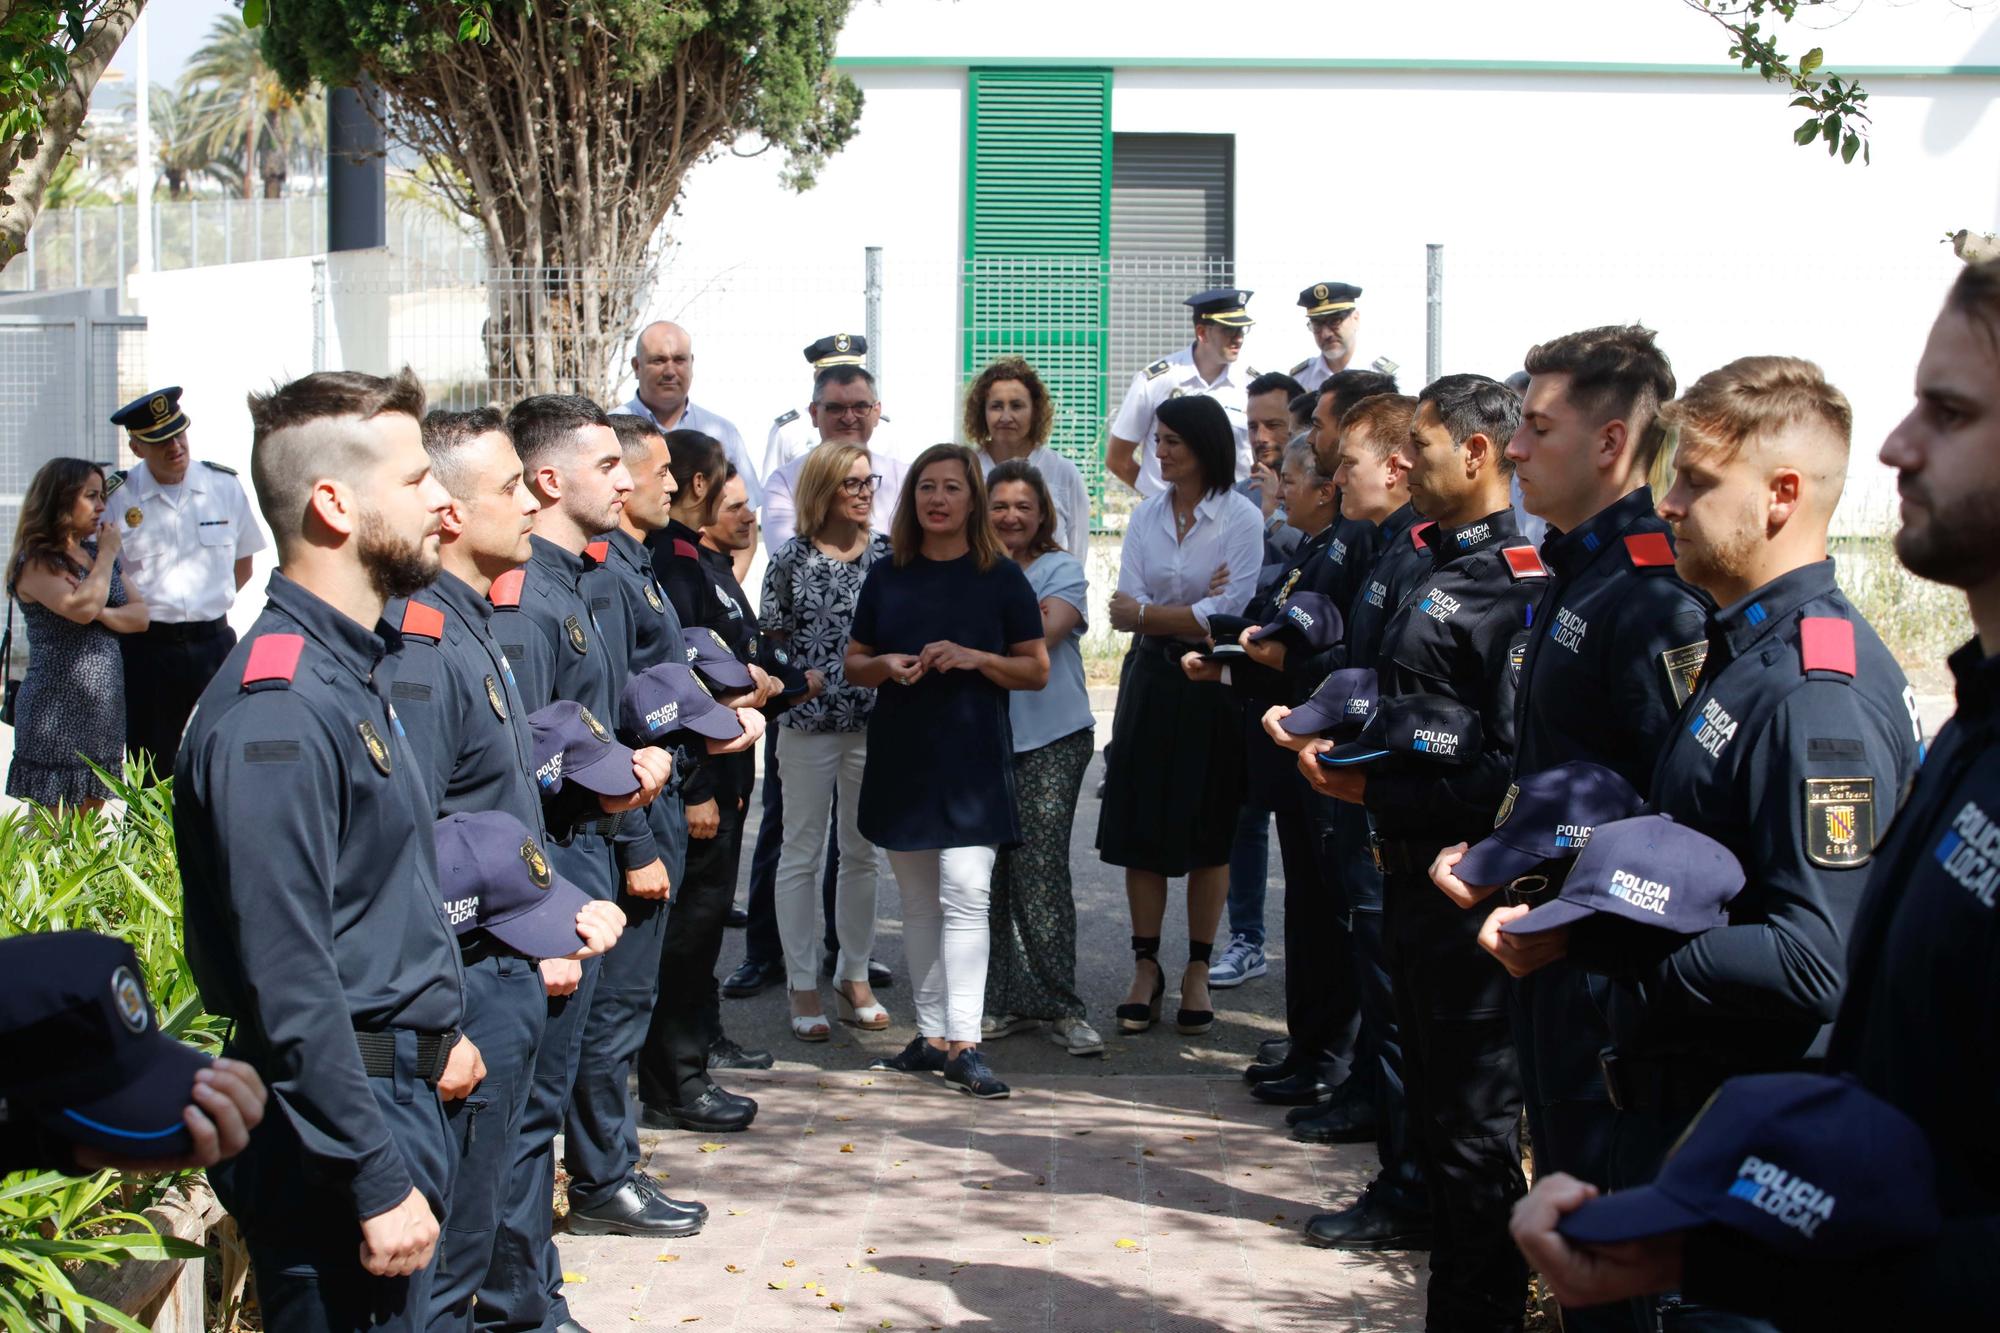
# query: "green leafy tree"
52 52
1837 108
566 128
240 109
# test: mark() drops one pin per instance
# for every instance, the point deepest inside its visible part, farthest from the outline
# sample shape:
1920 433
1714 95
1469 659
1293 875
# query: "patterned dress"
71 706
809 599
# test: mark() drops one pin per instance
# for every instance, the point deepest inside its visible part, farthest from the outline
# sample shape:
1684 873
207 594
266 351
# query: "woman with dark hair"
64 571
1032 976
1175 762
944 630
1009 414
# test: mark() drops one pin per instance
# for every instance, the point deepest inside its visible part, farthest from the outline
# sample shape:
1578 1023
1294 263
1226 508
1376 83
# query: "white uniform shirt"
181 544
1228 532
1311 373
1066 489
1175 377
717 427
792 436
781 513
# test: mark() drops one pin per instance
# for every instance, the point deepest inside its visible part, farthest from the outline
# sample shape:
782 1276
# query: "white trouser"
811 764
945 935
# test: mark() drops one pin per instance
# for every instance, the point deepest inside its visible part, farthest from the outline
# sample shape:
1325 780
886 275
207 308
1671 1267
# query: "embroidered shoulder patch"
426 622
1157 369
506 590
1840 821
685 549
1683 667
598 551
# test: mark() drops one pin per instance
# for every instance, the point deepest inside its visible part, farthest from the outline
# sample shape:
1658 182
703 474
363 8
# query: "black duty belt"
1403 858
1660 1086
378 1054
1172 650
601 828
185 631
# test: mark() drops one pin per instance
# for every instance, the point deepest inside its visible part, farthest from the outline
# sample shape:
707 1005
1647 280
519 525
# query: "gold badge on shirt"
134 516
378 753
576 639
493 697
653 596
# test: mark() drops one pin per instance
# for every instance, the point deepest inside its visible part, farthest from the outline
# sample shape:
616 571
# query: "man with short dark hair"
1339 394
1206 366
313 918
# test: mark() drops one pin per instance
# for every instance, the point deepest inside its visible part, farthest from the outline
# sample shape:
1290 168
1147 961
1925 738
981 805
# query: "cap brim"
1549 916
142 1116
548 928
610 774
1231 321
715 722
1495 862
1354 752
1311 719
723 673
1225 653
1633 1214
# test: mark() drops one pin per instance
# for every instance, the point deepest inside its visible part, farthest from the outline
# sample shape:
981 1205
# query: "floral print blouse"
809 601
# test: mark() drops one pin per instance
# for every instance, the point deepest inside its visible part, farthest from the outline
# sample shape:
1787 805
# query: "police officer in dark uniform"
1617 644
464 716
313 919
188 538
1457 639
1916 1021
561 648
1794 752
1302 603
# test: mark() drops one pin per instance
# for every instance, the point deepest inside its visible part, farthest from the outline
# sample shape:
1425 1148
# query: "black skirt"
1173 782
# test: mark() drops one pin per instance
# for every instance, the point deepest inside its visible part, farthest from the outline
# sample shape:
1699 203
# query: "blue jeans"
1249 868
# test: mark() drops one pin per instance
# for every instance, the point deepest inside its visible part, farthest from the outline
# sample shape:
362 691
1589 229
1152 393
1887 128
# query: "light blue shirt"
718 428
1062 707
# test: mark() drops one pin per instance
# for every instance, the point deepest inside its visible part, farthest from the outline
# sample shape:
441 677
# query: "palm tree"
180 150
244 110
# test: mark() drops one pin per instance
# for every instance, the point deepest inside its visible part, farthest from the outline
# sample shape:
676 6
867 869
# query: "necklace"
1181 525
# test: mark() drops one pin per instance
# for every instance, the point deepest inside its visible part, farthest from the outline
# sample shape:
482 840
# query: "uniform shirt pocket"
217 532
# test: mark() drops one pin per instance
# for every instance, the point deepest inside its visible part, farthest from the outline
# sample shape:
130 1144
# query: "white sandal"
810 1027
867 1017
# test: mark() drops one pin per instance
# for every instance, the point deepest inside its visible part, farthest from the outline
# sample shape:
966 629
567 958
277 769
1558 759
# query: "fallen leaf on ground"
847 1147
809 1129
843 1119
791 1263
1126 1244
572 1278
835 1306
1145 1152
987 1186
738 1212
871 1249
711 1147
869 1268
668 1259
1190 1138
1039 1240
731 1268
778 1286
869 1083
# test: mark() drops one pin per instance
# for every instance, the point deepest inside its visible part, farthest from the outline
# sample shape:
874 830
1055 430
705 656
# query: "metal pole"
872 294
319 313
119 213
76 245
228 231
356 186
1434 312
194 231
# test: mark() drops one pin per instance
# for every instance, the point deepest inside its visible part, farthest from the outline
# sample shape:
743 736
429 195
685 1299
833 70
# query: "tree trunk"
32 162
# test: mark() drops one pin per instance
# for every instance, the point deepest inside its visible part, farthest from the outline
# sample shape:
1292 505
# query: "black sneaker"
967 1072
724 1053
919 1057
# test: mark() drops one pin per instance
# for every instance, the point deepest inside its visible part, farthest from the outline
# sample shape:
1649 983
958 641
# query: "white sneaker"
1242 961
1076 1036
992 1027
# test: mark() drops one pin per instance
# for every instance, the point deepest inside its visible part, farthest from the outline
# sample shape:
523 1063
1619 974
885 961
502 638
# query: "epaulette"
426 622
506 590
1826 643
217 467
273 658
113 482
1158 368
685 549
788 418
598 551
1647 549
1299 369
1524 562
1417 536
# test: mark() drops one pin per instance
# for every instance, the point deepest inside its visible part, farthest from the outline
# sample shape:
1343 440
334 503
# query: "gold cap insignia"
538 866
841 342
596 727
1507 805
1319 291
130 999
160 407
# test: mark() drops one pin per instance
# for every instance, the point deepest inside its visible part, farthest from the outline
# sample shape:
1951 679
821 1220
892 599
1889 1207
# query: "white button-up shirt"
1066 489
1177 379
717 427
1311 373
1228 532
181 544
781 511
792 436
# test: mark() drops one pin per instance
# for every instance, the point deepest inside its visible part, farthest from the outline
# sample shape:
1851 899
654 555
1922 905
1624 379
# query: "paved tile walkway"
1100 1203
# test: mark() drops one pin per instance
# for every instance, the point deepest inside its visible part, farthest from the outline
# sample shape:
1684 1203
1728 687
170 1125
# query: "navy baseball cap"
1345 700
1806 1164
708 654
494 877
1646 869
570 743
791 673
1548 816
86 1060
1310 618
1426 726
668 698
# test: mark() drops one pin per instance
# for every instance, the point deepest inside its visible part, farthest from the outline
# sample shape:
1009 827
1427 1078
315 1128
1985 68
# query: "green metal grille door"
1037 233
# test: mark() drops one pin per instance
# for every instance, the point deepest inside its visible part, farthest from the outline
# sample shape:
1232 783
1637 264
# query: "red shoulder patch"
598 551
1524 562
425 622
685 549
1826 643
506 590
1417 536
274 657
1649 548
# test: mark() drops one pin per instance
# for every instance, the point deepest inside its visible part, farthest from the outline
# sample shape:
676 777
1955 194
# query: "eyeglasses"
1318 322
860 485
843 410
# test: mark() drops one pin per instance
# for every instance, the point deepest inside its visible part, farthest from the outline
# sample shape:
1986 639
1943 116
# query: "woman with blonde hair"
64 571
946 630
1008 415
810 591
